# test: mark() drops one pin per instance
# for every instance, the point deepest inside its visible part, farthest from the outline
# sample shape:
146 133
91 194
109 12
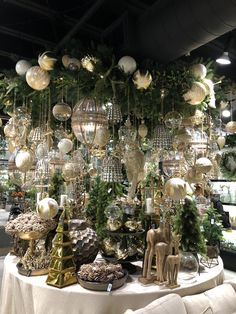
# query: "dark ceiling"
163 30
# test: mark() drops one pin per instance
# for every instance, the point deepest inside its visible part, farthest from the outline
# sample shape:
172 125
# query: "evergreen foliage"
187 224
56 186
212 226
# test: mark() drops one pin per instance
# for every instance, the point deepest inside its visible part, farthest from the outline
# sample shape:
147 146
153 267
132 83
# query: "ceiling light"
224 58
226 113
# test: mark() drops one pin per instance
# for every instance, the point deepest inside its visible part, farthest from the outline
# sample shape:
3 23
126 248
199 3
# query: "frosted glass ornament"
62 111
22 66
65 145
173 120
127 64
47 208
37 78
198 71
24 160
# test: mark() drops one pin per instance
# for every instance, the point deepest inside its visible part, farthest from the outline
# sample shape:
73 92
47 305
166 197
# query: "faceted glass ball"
173 120
37 78
188 270
62 111
113 212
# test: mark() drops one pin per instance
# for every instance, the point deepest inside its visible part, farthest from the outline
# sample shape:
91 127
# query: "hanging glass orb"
42 171
127 133
113 212
199 140
172 165
162 138
22 114
173 120
55 159
37 78
111 170
86 119
114 114
142 129
71 170
62 111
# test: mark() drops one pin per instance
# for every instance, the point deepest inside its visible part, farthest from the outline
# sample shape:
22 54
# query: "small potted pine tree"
212 231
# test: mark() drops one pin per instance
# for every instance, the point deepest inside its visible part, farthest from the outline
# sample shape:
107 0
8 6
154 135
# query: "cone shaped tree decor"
62 270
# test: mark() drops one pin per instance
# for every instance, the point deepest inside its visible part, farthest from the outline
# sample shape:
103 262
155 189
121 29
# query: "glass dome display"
188 269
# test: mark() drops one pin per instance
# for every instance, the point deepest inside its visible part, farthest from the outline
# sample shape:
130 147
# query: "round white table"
31 295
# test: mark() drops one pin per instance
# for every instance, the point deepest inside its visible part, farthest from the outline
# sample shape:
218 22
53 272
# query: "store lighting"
224 59
226 113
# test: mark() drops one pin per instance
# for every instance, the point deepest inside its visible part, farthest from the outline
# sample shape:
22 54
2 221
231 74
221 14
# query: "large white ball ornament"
24 160
196 94
65 145
37 78
203 165
62 111
47 208
176 189
22 67
198 71
127 64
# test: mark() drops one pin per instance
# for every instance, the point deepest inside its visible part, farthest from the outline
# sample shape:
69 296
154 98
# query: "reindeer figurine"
173 262
154 236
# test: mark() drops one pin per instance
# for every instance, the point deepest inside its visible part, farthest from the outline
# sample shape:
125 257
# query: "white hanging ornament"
65 145
127 64
142 81
198 71
212 102
24 160
209 86
142 129
102 137
22 66
37 78
203 165
47 208
196 94
231 127
46 63
62 111
176 189
221 141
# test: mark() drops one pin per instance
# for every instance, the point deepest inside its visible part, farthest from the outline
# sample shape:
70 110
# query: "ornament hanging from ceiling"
62 111
37 78
24 159
198 71
22 66
71 170
102 137
111 169
45 62
88 63
127 133
36 135
176 189
173 120
221 141
141 80
47 208
127 64
142 129
162 138
231 127
86 119
203 165
196 94
114 114
65 145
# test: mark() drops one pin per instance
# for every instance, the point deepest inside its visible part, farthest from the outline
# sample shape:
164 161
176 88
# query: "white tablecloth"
31 295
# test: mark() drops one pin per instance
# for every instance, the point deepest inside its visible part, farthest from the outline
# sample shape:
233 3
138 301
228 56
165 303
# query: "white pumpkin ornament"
231 127
142 129
176 189
24 160
127 64
102 137
198 71
196 94
37 78
141 80
22 66
65 145
221 141
47 208
62 111
46 63
203 165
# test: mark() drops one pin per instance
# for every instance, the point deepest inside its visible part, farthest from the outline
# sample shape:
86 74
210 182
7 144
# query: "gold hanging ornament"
37 78
196 94
142 129
142 80
199 71
46 63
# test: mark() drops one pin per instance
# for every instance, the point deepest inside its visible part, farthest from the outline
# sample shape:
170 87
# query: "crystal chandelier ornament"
127 133
162 138
173 120
36 135
114 114
112 169
86 119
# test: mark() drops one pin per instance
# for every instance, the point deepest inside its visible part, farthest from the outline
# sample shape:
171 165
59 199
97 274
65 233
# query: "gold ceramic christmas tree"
62 270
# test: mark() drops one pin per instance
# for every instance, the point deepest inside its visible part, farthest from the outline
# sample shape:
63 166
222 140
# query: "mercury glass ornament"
142 129
114 114
22 66
112 170
24 159
113 211
71 170
86 119
60 133
65 145
37 78
62 111
173 120
162 138
127 133
47 208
